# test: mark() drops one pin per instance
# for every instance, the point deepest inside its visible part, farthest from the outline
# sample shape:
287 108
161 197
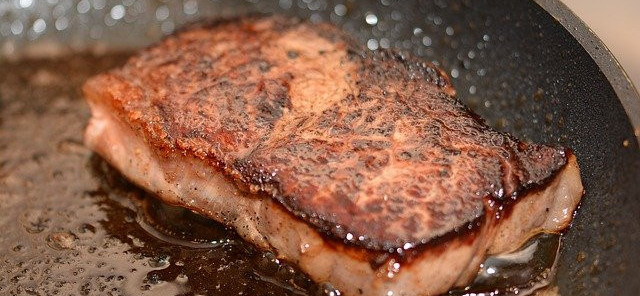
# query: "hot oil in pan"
188 250
73 225
520 272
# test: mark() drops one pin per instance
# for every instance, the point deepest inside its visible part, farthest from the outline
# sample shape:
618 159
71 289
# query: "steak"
360 167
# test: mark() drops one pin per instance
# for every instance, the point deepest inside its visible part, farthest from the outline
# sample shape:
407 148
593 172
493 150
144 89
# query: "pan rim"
619 80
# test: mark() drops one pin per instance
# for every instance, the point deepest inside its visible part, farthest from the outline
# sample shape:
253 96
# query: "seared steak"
361 167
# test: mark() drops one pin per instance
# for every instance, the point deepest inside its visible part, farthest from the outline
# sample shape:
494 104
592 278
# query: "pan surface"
531 69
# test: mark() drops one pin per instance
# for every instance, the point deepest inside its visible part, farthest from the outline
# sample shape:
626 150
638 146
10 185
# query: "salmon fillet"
360 167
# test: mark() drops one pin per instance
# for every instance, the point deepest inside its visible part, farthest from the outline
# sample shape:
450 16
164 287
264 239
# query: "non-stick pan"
70 224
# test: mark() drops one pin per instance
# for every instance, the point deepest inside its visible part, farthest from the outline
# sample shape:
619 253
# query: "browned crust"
397 161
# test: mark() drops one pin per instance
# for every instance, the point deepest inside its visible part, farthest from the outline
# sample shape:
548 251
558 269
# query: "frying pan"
531 68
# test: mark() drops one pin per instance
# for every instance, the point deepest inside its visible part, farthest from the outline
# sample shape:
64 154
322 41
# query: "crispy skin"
369 148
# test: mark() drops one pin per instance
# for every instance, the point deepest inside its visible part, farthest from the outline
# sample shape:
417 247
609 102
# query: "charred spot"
344 199
340 130
415 191
433 129
395 208
376 109
362 145
370 118
353 115
386 129
441 161
301 122
376 161
373 207
301 147
271 103
451 151
327 119
349 99
321 159
205 63
286 77
404 155
260 86
358 178
223 83
292 54
411 224
194 133
264 66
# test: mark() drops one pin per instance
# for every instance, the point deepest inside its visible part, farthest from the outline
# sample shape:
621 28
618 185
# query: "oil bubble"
62 240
